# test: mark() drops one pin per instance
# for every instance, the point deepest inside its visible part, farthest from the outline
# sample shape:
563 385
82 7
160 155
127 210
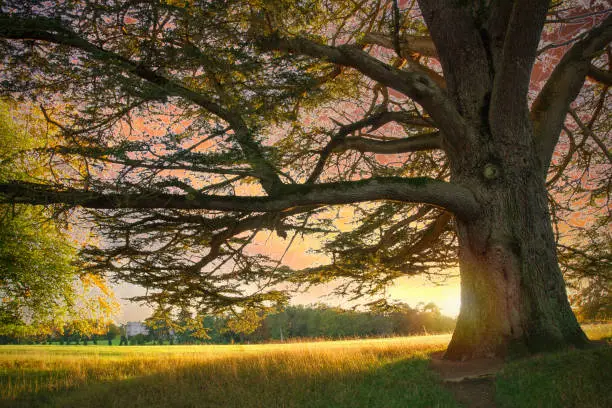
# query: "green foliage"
112 331
41 286
161 324
301 322
588 269
37 269
36 266
190 329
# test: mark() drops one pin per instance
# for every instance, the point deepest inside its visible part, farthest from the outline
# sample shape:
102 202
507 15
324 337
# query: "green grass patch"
577 378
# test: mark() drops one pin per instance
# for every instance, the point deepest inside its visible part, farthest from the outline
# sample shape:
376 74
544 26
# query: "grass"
360 373
574 379
356 373
568 379
598 331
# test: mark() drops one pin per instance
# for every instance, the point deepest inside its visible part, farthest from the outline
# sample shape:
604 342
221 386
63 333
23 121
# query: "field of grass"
360 373
357 373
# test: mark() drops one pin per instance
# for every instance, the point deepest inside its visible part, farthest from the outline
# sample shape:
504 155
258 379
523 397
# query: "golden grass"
239 375
598 331
351 373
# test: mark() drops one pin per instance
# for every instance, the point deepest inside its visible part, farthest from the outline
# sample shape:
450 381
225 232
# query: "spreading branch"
462 54
457 199
427 141
408 47
48 30
512 80
339 141
417 86
588 132
598 74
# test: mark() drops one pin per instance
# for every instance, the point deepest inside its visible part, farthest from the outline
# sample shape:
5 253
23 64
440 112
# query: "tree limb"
588 132
48 30
374 122
430 234
409 44
462 54
455 198
427 141
512 80
598 74
551 106
406 52
416 85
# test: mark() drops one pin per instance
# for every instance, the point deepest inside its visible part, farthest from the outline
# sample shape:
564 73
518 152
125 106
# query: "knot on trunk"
490 171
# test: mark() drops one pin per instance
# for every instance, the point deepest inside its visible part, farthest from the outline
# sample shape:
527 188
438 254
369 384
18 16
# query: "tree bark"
513 297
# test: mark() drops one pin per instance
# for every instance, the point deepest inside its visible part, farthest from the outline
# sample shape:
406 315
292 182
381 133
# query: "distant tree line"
77 331
294 322
321 321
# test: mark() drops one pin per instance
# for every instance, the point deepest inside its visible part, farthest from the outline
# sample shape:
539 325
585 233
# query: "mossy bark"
513 296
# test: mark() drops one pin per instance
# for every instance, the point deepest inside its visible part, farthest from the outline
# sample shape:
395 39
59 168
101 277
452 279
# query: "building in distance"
135 328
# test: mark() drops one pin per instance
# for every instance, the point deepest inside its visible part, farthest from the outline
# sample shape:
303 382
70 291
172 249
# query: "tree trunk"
513 297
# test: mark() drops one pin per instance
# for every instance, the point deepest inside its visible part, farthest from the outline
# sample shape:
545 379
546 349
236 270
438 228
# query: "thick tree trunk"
513 297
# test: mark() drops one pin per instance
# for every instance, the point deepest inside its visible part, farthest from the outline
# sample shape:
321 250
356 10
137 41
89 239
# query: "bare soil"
472 383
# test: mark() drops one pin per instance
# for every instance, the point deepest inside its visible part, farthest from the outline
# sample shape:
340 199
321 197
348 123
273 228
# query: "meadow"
353 373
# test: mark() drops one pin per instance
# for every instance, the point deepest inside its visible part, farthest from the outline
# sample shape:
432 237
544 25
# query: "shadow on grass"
400 383
569 379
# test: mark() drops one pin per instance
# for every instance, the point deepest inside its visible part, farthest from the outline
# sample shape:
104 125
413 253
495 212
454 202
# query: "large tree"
191 125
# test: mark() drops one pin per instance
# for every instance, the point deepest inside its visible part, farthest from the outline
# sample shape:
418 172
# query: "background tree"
161 324
190 329
112 332
191 126
321 321
41 286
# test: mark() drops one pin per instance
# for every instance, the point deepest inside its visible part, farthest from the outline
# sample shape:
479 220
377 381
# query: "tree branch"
48 30
457 199
406 52
512 78
374 122
462 54
427 141
416 85
409 44
598 74
551 106
430 234
588 132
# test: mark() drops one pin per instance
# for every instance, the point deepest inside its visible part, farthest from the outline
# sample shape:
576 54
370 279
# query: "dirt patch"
472 383
454 371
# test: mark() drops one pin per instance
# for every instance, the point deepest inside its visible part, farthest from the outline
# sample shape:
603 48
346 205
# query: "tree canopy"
190 126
